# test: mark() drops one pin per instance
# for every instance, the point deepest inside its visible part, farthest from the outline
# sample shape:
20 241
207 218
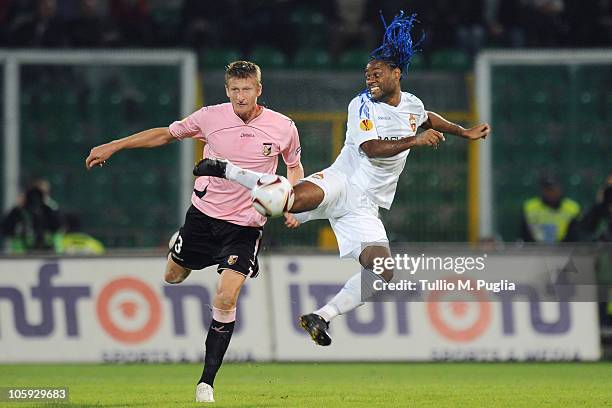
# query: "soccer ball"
273 195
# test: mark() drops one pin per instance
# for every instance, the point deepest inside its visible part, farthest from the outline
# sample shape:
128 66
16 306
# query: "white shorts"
352 214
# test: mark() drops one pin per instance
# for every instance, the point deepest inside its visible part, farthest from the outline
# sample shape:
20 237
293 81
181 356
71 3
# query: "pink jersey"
254 146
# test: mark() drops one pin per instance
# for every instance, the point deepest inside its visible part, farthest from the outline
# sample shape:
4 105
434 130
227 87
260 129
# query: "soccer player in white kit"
381 129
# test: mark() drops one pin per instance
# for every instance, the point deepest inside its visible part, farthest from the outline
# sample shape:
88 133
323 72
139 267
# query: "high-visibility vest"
77 243
549 224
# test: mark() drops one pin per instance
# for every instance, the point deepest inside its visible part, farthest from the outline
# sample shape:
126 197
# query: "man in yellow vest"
550 217
74 241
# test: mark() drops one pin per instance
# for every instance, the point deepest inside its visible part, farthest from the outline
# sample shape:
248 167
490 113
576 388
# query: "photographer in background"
33 225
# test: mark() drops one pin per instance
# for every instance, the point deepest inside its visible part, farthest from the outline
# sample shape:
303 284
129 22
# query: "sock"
217 341
246 178
350 296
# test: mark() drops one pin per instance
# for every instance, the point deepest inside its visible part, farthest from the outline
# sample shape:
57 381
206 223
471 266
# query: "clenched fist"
429 137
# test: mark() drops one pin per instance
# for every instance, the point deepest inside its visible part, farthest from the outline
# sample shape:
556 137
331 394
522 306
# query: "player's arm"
388 148
147 138
295 173
437 122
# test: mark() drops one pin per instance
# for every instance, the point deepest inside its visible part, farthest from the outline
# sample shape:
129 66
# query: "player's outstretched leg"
308 196
210 167
317 327
225 169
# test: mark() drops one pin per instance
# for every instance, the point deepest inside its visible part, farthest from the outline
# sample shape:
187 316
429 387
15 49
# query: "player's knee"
306 196
226 299
371 257
175 273
387 275
174 277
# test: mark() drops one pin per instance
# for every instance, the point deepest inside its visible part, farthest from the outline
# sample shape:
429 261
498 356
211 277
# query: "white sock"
349 297
246 178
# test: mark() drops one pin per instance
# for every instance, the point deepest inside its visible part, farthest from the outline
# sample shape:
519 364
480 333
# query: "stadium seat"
268 57
354 59
218 58
417 63
450 60
166 18
312 58
310 26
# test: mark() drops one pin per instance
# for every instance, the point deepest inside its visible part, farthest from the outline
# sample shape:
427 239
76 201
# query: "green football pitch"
325 385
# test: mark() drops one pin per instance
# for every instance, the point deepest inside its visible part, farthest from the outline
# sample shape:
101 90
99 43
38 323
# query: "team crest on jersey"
318 176
366 125
232 259
267 149
413 123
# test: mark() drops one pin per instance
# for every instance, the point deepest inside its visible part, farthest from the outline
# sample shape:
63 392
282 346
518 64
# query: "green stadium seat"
218 58
312 58
268 57
450 60
310 26
354 59
417 63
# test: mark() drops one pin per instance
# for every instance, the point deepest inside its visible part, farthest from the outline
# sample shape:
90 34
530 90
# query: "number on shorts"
179 244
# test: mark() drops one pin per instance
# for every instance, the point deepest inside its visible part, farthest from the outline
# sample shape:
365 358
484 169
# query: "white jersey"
370 120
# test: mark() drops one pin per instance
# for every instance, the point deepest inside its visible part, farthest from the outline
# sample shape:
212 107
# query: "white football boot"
204 393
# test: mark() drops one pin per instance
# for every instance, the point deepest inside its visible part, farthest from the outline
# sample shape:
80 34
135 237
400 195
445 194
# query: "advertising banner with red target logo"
118 310
440 325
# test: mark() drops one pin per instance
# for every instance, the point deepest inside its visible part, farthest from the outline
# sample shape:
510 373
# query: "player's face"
243 94
381 80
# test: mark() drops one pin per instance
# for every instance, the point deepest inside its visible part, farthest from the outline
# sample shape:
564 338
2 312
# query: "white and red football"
273 195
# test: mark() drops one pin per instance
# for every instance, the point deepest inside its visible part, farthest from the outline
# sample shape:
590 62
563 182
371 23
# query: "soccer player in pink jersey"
221 226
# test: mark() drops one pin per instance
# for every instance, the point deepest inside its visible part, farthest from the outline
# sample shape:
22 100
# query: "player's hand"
429 137
480 131
99 154
290 221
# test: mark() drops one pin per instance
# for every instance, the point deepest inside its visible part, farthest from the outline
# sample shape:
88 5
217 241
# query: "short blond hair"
242 69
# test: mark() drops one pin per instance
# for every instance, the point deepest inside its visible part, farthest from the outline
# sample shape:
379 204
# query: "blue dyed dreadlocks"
397 47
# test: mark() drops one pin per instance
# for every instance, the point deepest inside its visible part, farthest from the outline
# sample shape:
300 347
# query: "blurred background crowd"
289 25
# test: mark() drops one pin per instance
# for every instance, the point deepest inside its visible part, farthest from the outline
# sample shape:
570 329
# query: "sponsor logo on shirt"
232 259
247 135
384 117
366 125
267 149
298 150
413 123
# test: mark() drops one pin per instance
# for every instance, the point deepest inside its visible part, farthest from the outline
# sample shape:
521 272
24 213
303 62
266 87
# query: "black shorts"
204 241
